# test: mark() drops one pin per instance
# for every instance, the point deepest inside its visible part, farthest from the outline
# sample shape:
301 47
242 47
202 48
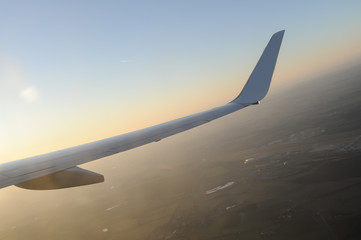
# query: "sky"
73 72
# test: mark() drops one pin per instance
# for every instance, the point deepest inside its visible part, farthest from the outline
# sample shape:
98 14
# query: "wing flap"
72 177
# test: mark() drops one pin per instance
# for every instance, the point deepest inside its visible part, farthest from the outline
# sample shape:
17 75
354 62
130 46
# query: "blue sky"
76 71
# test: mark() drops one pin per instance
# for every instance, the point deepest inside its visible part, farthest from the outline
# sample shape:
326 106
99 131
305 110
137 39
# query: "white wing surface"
60 169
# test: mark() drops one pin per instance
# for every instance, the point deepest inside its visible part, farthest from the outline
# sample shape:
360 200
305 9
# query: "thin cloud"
16 82
126 61
29 94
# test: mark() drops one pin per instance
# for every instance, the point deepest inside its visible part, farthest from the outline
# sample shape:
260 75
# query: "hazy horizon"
292 143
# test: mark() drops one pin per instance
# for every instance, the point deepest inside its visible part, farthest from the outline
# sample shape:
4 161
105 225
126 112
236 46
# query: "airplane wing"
60 169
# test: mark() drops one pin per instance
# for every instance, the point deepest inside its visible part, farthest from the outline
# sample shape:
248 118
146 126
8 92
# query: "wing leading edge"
53 170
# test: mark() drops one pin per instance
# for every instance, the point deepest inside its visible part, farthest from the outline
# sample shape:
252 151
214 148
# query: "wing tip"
258 83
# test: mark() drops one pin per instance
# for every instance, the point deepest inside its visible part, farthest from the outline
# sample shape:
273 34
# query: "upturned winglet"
259 82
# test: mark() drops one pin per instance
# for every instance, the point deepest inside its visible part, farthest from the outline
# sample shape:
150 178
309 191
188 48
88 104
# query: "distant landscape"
289 168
